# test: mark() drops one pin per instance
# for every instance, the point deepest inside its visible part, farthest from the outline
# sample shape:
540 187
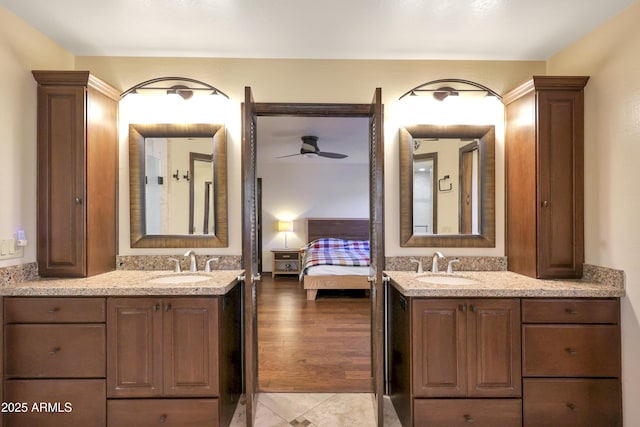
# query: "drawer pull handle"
286 256
53 310
571 311
54 351
163 418
469 419
571 351
572 407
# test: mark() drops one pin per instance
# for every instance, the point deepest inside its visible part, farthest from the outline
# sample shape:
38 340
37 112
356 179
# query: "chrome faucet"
193 267
434 264
450 265
419 271
207 267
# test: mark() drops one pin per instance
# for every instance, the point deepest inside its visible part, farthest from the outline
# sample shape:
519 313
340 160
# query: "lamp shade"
285 225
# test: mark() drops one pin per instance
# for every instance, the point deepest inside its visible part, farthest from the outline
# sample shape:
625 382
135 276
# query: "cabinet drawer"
570 311
168 412
54 310
70 403
572 402
286 256
55 351
571 350
462 412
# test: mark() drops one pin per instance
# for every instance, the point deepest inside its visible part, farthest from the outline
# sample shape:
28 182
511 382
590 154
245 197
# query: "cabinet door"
134 343
560 183
439 347
190 346
61 184
493 342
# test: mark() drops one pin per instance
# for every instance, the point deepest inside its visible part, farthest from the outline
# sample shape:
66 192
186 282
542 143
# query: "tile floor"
315 410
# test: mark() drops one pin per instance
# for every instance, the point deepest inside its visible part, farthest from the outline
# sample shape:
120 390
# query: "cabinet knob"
462 308
545 204
571 351
572 407
53 310
156 307
571 311
469 419
54 351
167 307
78 200
163 418
474 308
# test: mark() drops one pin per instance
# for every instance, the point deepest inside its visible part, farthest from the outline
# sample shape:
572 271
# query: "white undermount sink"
179 278
447 280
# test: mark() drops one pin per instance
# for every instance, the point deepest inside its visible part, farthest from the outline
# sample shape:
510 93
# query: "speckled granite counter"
126 283
502 284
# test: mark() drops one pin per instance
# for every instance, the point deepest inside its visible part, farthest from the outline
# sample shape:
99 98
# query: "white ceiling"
339 29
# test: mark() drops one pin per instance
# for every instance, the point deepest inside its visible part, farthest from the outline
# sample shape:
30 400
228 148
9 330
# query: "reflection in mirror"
178 185
201 208
447 186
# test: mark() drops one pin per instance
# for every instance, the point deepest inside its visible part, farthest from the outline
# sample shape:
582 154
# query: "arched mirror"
447 186
178 185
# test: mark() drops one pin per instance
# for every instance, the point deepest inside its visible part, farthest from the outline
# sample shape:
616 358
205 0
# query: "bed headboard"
340 228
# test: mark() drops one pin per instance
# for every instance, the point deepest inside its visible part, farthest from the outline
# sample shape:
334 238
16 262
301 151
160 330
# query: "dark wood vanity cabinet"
55 355
571 362
77 174
544 161
173 360
455 361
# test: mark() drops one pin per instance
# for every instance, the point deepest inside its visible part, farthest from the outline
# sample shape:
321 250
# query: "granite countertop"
501 284
127 283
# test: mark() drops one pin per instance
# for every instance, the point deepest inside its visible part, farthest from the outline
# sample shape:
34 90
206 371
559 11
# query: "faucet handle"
420 270
207 267
176 267
450 265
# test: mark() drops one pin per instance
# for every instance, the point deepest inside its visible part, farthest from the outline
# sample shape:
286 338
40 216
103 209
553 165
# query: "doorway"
373 111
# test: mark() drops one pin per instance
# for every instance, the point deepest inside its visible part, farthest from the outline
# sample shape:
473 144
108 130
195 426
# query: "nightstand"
285 261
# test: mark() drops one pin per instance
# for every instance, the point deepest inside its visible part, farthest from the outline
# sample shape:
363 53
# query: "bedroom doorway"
251 112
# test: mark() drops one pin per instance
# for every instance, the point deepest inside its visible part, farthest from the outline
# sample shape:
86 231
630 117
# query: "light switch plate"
9 250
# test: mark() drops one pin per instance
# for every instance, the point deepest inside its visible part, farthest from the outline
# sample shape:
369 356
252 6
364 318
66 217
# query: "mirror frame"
486 137
137 135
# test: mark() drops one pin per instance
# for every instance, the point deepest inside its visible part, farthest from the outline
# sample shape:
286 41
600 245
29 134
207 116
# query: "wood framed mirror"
161 184
449 202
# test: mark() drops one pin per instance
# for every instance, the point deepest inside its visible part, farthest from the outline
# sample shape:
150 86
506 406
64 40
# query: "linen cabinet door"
439 347
190 346
134 347
493 342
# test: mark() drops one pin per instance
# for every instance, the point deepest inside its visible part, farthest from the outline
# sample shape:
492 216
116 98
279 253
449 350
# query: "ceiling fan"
310 149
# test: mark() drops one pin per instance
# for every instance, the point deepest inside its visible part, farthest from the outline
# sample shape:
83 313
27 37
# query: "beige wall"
22 49
612 149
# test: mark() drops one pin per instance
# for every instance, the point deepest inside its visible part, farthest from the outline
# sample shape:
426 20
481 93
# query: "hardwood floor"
312 346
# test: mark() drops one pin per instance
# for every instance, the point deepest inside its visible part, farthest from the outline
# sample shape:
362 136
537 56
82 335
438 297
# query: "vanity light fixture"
182 86
444 88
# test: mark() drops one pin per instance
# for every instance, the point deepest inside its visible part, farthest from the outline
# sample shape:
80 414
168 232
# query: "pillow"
334 244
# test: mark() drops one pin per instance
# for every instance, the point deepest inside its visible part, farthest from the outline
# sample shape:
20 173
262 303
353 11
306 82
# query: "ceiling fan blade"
290 155
331 155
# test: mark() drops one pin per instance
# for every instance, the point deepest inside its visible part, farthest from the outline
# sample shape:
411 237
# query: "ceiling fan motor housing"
309 145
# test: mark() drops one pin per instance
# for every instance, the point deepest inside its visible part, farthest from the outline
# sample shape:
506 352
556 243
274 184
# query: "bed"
326 232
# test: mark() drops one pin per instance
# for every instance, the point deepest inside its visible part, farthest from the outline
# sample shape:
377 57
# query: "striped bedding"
352 253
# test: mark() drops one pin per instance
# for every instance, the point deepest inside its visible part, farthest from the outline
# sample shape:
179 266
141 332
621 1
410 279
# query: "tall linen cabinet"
77 170
544 161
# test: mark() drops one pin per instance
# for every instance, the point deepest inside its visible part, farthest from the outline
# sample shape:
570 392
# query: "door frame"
261 109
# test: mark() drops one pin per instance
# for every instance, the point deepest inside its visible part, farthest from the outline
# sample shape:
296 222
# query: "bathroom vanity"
503 349
126 348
